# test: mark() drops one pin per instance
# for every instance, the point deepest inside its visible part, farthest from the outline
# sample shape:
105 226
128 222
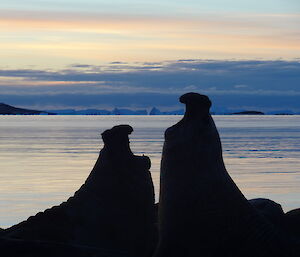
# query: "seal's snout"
195 103
117 136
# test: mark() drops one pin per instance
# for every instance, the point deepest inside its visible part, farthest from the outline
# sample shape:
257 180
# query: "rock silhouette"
30 248
292 223
202 213
113 209
271 210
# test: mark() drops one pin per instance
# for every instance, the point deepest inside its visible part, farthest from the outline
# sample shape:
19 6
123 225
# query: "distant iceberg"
117 111
156 111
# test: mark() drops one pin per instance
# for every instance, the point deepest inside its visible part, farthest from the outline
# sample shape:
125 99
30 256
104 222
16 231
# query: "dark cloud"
81 66
148 100
138 100
118 63
233 84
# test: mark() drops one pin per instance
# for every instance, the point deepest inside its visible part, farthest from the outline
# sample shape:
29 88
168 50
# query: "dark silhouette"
11 110
247 113
201 211
114 209
292 223
271 210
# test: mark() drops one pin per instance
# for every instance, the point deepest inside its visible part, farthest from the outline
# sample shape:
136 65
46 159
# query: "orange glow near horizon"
59 41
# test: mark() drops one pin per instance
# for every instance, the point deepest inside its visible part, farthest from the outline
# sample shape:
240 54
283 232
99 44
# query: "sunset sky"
63 54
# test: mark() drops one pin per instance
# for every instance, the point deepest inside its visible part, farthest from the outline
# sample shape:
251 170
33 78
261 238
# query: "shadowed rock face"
114 209
271 210
202 212
27 248
292 223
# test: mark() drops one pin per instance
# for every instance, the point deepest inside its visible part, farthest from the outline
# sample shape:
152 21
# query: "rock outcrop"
201 210
113 210
271 210
33 248
292 223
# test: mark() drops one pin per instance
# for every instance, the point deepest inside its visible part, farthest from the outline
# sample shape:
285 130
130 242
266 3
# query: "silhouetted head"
197 127
116 138
196 104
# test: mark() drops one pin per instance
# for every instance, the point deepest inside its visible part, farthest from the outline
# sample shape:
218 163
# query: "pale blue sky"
153 7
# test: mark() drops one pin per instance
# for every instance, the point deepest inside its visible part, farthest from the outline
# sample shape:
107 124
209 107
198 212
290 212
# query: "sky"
105 54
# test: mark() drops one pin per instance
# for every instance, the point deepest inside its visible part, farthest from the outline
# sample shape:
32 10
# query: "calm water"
44 159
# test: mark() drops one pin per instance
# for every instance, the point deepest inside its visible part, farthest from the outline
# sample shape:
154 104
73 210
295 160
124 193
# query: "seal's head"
116 138
196 104
116 142
196 132
196 117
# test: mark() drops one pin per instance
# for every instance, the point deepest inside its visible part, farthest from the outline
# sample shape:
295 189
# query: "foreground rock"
271 210
292 223
201 211
29 248
113 210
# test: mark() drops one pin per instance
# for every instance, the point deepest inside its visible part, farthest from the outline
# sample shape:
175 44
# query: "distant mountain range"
116 111
6 109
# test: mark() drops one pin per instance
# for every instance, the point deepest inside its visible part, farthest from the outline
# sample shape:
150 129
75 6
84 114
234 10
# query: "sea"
45 159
